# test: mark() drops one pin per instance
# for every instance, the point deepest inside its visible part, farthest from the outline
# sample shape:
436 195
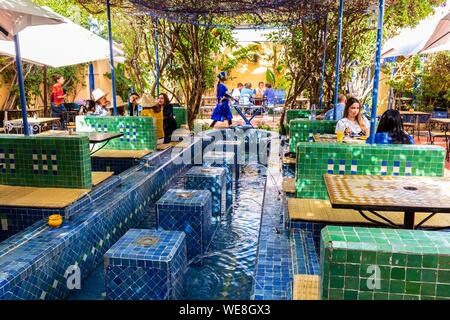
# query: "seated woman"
154 111
390 129
353 123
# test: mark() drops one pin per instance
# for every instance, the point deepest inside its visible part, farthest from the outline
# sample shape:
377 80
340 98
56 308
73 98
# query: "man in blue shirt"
269 94
246 94
342 100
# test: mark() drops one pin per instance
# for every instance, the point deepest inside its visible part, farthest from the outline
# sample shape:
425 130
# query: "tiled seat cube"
146 265
189 211
237 147
212 179
223 160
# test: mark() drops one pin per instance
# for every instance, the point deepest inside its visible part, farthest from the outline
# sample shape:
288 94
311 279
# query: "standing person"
353 123
154 111
57 99
269 94
101 102
342 100
222 110
169 122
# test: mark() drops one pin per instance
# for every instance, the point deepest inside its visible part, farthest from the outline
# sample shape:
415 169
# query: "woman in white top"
353 123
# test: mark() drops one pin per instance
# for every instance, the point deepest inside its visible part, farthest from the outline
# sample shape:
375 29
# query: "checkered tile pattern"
384 264
212 179
7 161
146 265
44 163
189 211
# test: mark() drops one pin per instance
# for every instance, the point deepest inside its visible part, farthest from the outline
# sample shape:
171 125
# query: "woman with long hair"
169 122
222 110
390 129
353 123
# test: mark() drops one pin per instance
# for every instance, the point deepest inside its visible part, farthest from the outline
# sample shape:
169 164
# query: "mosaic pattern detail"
189 211
391 191
384 264
139 132
146 265
316 159
302 130
116 165
236 147
62 162
304 254
212 179
273 270
223 160
297 114
7 161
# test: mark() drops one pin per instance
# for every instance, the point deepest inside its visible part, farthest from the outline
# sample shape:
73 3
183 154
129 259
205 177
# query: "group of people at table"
161 111
352 123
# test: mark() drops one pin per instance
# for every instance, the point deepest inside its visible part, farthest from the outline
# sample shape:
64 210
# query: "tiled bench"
384 264
138 140
320 211
316 159
302 130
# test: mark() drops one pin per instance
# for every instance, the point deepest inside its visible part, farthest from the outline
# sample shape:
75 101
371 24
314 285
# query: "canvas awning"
60 45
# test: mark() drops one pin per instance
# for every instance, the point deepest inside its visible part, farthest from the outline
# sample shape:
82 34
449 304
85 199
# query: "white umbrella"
74 44
440 39
16 15
411 41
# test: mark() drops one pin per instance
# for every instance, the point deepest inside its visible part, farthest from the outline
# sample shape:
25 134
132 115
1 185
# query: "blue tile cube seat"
235 146
146 265
223 160
189 211
212 179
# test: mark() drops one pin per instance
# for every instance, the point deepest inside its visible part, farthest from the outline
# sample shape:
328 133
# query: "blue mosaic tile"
273 271
236 147
37 263
146 265
189 211
212 179
223 160
305 256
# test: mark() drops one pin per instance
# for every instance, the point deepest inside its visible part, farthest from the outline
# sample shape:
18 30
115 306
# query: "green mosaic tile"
300 130
139 132
40 161
316 159
297 114
396 272
180 114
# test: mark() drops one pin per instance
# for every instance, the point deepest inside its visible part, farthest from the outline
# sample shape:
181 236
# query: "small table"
94 137
390 193
242 114
37 124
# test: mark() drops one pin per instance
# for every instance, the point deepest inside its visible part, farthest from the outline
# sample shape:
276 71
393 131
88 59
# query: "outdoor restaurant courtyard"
203 150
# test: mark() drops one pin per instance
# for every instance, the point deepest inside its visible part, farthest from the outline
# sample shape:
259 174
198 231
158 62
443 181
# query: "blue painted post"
156 57
324 56
111 58
338 56
23 99
376 73
91 79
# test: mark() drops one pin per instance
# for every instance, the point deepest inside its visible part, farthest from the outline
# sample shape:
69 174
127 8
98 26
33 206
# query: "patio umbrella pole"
338 57
45 91
23 100
324 56
156 57
91 79
111 58
376 73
